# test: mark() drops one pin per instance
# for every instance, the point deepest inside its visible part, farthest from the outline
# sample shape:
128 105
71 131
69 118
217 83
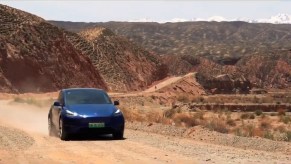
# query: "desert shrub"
281 112
154 116
131 114
265 124
245 116
239 132
256 99
258 112
183 98
199 115
184 118
288 136
269 135
281 129
249 129
285 119
230 122
171 112
252 116
217 125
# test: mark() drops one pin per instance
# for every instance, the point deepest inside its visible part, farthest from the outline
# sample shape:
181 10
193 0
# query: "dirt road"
24 139
167 82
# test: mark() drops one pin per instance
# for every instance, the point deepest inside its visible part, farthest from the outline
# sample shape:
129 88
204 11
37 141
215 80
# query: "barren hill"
123 64
36 56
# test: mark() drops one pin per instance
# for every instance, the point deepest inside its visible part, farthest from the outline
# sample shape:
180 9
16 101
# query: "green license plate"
97 125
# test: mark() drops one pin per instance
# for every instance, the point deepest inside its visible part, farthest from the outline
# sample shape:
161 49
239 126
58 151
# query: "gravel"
199 133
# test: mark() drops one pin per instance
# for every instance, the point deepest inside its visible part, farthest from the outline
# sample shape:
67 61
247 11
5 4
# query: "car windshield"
74 97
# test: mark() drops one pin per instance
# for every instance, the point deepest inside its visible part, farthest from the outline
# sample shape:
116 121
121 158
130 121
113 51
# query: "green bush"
258 112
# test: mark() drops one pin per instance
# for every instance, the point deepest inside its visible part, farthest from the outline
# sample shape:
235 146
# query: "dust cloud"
24 116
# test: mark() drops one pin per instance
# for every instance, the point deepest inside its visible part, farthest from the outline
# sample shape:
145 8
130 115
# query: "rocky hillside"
123 64
36 56
258 52
215 40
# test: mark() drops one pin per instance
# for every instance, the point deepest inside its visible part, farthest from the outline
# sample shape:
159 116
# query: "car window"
87 97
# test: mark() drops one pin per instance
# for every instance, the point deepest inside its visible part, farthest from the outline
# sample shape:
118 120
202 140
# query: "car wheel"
118 135
62 133
51 128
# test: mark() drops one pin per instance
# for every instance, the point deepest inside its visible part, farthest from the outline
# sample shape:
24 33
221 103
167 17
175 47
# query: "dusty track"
167 82
24 139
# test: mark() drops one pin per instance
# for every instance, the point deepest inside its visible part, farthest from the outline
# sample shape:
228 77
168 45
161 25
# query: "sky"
103 11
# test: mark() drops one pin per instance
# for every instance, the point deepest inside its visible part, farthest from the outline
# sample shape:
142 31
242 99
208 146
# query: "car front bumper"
81 125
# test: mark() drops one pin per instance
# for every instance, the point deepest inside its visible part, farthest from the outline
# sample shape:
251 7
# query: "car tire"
51 128
62 133
118 135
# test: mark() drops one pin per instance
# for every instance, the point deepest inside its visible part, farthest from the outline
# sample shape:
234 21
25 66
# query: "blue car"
85 110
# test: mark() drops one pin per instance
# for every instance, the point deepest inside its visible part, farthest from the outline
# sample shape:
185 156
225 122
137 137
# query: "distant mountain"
277 19
36 56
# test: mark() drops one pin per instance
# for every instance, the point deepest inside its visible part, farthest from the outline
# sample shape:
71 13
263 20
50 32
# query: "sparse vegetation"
217 125
285 119
288 136
269 135
258 112
247 116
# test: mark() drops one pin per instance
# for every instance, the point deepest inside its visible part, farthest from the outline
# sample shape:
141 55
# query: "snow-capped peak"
217 19
277 19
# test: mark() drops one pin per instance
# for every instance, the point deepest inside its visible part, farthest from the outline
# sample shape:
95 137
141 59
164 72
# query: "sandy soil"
24 139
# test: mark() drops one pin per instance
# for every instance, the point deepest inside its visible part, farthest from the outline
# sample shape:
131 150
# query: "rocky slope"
36 56
123 64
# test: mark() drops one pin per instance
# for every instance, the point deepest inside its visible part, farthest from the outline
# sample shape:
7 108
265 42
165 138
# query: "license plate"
97 125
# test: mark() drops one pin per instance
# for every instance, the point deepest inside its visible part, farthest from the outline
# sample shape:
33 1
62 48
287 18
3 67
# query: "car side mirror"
56 103
116 102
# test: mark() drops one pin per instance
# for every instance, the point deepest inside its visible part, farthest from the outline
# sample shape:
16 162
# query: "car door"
57 109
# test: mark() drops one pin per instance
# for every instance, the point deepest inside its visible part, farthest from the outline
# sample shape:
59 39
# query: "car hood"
93 109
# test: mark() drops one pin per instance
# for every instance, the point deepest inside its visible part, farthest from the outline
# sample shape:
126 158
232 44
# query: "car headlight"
117 112
70 113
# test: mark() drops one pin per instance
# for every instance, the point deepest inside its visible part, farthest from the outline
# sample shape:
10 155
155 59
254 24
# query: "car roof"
72 89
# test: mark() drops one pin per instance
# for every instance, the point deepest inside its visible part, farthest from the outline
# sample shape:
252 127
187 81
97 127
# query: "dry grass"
265 124
247 124
247 116
285 119
216 125
185 119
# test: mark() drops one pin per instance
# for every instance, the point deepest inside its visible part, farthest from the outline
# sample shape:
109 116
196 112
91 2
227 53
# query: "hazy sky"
97 11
